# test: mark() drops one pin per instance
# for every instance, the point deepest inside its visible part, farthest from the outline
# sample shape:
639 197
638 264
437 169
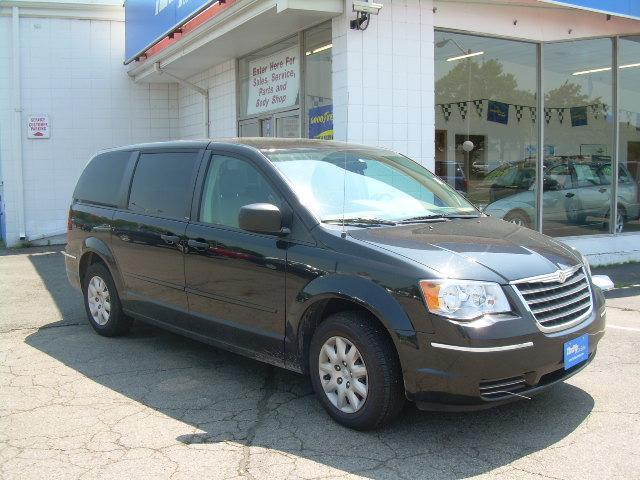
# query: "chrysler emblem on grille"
562 276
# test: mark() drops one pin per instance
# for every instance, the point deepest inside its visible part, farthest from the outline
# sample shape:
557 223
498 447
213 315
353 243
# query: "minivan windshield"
366 184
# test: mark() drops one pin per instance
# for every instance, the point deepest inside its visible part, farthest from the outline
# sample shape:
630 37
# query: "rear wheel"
621 219
355 371
102 303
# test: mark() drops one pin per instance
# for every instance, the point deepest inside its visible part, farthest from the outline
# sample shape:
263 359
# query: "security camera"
363 6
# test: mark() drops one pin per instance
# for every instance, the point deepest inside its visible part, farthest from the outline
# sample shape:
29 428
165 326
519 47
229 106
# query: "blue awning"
620 8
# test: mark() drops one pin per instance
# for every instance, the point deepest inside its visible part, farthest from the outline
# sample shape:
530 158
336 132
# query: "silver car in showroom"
575 188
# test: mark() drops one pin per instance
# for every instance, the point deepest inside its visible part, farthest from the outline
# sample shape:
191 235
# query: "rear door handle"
603 190
569 195
198 245
170 239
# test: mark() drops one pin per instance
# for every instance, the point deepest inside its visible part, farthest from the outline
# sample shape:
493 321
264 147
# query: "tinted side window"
562 175
586 175
162 184
101 179
232 183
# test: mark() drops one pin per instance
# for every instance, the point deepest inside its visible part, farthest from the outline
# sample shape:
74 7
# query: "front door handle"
569 195
170 239
198 245
603 190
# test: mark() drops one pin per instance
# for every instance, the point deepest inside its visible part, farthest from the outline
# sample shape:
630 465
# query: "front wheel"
518 217
102 303
355 371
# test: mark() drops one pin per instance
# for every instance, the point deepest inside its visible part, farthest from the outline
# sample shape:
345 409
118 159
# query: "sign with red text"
38 126
274 81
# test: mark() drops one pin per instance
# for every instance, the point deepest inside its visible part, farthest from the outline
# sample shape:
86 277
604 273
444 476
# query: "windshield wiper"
359 221
436 218
424 218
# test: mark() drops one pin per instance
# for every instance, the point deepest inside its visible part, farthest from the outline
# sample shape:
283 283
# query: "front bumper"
462 367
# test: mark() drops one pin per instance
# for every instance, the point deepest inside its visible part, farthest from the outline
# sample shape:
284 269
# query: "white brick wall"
71 70
221 83
383 79
7 170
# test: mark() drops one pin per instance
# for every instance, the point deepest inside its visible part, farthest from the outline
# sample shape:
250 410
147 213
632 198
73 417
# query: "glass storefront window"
486 122
629 123
578 139
286 92
318 118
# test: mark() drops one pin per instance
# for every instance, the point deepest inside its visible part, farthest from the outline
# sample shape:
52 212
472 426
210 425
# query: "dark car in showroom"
350 264
451 172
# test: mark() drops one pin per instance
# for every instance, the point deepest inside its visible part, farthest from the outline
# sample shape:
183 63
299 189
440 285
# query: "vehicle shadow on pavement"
623 293
223 397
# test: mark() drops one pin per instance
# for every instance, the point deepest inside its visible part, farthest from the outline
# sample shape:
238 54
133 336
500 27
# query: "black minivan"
354 265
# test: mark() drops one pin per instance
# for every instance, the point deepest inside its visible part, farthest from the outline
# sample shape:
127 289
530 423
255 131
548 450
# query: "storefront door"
287 125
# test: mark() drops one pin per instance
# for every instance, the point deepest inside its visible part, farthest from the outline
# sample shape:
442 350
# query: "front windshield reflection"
366 184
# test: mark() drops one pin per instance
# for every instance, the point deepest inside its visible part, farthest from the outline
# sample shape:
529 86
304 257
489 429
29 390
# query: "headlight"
464 299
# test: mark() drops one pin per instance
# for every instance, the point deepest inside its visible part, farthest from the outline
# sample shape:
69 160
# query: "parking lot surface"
155 405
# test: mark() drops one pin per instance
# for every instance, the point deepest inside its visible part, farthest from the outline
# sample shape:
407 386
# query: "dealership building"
530 108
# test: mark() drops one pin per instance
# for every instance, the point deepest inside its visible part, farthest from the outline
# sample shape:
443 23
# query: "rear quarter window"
101 181
163 184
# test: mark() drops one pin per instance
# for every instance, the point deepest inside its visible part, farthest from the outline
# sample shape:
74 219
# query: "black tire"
117 323
518 217
621 221
385 398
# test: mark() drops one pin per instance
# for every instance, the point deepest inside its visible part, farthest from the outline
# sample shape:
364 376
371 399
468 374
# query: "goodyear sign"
321 122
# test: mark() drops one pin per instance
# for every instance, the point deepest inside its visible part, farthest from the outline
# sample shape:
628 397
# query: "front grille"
557 304
506 387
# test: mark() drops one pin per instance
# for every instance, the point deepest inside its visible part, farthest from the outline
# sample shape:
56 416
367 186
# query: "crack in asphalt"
268 389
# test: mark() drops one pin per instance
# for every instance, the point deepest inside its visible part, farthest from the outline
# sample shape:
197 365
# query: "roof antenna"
344 194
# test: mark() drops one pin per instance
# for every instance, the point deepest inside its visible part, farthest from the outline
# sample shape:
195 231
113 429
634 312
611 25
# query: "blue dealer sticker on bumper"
576 351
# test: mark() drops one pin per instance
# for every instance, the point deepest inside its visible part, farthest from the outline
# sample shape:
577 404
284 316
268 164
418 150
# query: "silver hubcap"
343 374
99 300
619 223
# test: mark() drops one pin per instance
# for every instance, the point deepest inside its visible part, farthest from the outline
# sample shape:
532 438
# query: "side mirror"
261 218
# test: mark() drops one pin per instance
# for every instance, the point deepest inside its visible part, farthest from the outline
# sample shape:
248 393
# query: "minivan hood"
483 248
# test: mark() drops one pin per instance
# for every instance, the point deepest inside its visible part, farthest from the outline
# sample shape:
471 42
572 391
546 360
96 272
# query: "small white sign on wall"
38 126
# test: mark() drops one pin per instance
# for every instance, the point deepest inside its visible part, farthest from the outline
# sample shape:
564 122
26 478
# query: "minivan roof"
259 143
161 145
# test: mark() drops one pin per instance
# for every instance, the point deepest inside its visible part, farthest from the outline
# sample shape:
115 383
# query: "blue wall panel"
627 8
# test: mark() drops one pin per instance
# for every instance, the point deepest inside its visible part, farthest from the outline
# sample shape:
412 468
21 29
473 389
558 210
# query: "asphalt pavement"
156 405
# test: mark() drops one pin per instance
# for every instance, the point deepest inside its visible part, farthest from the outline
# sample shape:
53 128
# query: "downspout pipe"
17 122
202 91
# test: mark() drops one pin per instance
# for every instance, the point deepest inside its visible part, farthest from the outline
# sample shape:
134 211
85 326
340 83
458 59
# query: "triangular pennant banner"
479 104
462 108
518 109
446 111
